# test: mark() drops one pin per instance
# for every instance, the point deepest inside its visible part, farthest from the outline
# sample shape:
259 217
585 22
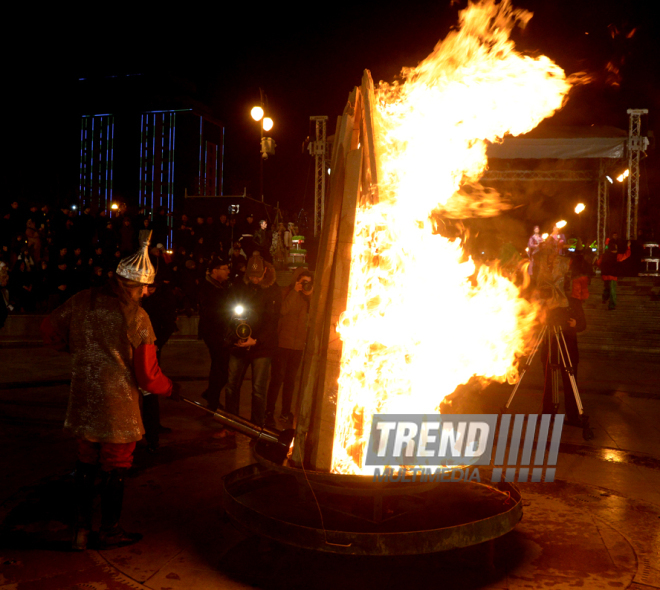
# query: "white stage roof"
564 143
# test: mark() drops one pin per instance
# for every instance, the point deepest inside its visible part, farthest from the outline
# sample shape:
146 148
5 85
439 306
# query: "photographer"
257 301
566 314
292 334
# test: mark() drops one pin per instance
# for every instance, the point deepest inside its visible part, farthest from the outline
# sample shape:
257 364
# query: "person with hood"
256 302
292 335
113 355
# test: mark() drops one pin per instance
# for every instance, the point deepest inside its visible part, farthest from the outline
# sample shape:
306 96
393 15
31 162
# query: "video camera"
239 330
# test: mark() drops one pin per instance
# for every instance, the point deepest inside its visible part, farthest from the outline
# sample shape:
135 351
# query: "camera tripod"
558 360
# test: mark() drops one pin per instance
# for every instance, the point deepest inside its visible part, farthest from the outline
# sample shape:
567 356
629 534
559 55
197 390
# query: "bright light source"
623 175
609 178
328 170
579 208
560 224
74 207
114 206
268 123
257 113
238 310
544 236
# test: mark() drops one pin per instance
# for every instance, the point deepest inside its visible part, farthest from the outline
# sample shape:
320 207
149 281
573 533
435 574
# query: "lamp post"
578 209
258 113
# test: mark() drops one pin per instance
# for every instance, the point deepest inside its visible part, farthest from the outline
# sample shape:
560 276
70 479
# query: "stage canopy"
564 143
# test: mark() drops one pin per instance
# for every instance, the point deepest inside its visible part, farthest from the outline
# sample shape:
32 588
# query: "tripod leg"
528 363
555 389
587 432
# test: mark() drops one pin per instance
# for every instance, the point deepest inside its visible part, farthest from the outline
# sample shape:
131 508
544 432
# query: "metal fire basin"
363 517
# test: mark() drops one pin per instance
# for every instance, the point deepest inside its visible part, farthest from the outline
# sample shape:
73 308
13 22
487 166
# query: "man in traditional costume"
111 342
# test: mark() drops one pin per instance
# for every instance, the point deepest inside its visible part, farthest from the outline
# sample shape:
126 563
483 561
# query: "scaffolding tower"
636 145
319 150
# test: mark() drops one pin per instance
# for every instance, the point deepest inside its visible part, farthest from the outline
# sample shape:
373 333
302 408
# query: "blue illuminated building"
144 141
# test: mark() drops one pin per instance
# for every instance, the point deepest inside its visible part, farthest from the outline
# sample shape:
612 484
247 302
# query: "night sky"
307 60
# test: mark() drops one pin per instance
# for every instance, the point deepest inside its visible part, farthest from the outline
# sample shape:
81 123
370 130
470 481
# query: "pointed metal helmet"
137 267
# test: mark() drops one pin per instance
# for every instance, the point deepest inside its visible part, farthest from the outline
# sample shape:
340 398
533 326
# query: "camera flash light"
238 309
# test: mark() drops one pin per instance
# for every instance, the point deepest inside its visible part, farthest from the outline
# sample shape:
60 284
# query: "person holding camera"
253 338
564 316
292 334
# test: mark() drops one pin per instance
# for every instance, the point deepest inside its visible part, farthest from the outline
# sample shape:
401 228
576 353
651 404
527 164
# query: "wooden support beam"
353 183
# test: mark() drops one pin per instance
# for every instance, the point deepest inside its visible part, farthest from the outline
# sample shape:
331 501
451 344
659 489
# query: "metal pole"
240 424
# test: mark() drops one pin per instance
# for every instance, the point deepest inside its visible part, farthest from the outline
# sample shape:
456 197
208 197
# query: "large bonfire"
420 318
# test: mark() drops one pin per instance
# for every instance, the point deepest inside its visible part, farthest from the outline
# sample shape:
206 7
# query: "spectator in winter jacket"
292 334
263 239
261 300
608 263
214 293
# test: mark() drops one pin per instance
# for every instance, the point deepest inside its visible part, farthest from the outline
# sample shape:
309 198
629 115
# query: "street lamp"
258 113
578 209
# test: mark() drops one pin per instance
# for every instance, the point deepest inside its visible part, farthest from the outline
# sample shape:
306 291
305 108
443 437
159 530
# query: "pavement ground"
597 526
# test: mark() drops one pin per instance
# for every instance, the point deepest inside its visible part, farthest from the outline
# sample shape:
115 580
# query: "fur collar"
269 278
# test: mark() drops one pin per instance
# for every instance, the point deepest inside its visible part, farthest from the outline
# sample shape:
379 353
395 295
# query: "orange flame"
421 319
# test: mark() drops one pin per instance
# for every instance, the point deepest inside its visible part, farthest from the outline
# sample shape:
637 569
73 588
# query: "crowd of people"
47 255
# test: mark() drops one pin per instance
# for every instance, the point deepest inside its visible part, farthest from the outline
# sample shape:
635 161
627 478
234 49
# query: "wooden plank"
322 456
353 183
371 167
313 361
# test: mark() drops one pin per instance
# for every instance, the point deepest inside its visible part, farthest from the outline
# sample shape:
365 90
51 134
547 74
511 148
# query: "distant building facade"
146 157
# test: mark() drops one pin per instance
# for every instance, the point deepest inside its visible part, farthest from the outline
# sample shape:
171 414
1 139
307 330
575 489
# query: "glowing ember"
419 321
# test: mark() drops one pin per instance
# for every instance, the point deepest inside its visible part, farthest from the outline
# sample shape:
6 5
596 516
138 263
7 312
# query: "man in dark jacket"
257 301
263 239
214 293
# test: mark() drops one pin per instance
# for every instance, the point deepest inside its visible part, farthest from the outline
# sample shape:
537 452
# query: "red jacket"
605 264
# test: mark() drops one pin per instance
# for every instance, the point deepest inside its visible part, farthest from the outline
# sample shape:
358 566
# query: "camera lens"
307 286
243 331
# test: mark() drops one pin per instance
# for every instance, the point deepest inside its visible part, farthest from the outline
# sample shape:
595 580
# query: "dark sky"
306 59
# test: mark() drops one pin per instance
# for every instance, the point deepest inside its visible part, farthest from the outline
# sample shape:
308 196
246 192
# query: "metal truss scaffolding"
558 175
318 149
636 145
603 206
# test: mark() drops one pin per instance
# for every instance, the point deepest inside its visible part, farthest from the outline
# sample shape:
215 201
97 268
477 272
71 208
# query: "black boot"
112 499
84 502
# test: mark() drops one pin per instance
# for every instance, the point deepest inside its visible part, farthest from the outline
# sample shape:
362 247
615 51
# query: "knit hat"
255 267
137 267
